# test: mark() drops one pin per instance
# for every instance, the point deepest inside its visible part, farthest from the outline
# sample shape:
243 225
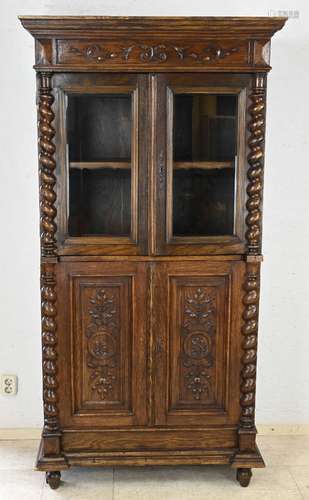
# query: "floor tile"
83 484
20 485
196 482
18 455
284 450
273 479
286 477
248 494
301 476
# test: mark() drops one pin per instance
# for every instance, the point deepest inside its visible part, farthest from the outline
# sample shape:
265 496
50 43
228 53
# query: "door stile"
160 343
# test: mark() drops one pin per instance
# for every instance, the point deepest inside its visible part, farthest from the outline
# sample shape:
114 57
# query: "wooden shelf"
205 165
101 164
178 165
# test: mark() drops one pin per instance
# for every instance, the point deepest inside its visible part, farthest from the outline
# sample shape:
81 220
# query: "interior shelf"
205 165
100 164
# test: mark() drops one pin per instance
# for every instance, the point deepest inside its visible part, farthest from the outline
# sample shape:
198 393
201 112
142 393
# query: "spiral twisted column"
48 212
49 347
256 127
249 345
47 165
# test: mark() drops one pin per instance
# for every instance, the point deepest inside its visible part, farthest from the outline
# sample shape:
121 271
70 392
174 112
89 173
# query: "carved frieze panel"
147 52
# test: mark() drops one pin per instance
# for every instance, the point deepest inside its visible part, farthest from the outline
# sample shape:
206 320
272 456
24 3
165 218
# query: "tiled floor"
286 477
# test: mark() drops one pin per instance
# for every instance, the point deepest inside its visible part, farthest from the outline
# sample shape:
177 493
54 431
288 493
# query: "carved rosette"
249 345
256 129
49 346
47 166
198 330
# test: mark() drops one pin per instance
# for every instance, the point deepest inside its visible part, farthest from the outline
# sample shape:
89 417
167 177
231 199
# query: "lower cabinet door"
102 348
196 332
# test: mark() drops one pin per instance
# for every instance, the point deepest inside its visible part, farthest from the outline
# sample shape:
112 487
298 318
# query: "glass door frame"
168 85
136 87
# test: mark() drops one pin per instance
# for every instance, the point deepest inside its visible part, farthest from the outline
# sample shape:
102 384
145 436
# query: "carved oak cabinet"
151 149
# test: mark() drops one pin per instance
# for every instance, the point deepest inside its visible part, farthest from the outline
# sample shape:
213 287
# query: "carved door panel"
104 350
196 332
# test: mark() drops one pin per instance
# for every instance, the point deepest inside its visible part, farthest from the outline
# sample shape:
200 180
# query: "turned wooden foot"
53 479
243 477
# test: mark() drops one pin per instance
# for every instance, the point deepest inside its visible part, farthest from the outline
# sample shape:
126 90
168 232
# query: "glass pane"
204 157
99 149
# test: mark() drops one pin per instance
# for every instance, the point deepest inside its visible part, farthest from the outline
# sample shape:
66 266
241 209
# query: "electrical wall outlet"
8 385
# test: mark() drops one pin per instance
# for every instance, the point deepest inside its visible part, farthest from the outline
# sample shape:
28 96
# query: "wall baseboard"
263 430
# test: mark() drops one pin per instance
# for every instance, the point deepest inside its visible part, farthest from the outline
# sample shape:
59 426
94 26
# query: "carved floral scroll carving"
198 330
102 348
154 53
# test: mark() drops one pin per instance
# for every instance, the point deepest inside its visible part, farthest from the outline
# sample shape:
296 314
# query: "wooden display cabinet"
151 155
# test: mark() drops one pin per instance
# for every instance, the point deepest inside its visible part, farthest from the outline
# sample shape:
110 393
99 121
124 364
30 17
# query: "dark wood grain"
150 302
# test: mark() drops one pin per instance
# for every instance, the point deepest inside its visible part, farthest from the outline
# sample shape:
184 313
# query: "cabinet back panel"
100 202
99 127
203 202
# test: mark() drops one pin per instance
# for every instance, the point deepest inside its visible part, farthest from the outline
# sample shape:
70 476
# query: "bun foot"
53 479
243 477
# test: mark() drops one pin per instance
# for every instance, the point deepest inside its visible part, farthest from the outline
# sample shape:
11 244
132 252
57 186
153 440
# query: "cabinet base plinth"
247 459
53 463
243 461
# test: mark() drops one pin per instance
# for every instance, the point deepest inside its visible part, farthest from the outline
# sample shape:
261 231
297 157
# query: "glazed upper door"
102 164
196 333
102 346
199 163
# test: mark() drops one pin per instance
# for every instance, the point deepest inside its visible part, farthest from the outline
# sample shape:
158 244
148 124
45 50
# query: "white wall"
283 395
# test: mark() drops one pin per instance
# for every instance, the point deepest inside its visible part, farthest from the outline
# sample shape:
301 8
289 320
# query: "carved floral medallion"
102 333
198 330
